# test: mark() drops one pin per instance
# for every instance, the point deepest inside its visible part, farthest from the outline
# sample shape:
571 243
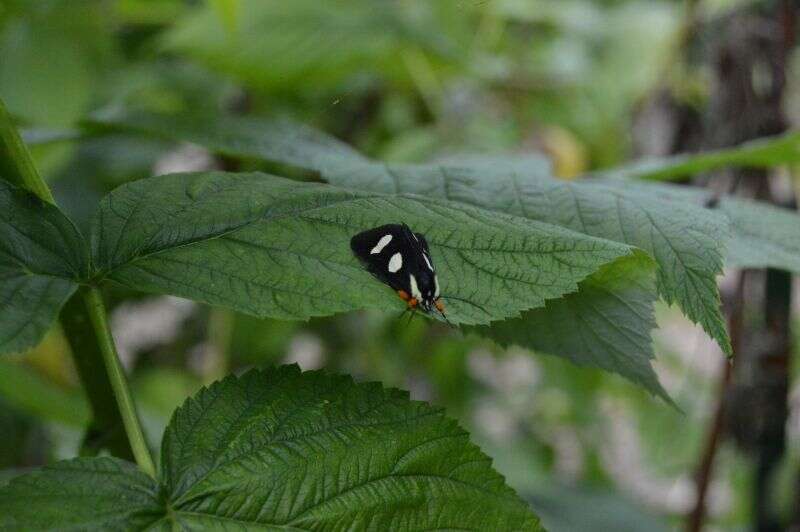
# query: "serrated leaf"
273 247
42 256
762 235
296 145
81 494
606 324
281 449
685 240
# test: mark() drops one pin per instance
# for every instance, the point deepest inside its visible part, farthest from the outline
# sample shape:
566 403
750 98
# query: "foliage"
281 448
498 129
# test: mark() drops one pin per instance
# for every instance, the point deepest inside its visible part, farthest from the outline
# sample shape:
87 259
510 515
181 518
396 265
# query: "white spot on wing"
382 243
395 263
427 261
415 293
436 284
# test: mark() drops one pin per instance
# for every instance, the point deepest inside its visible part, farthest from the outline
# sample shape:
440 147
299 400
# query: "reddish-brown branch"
705 468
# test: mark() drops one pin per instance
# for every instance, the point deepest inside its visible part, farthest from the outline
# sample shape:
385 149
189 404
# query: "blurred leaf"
273 247
228 12
24 440
236 136
42 256
162 390
53 52
28 391
763 235
283 449
36 58
565 509
761 153
301 44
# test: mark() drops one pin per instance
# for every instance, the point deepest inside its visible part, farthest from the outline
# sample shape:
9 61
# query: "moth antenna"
446 320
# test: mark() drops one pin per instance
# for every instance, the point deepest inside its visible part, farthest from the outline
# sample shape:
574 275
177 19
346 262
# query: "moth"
401 258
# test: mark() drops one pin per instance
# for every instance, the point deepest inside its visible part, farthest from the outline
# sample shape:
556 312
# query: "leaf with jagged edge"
606 324
42 257
682 277
686 241
101 493
269 246
281 449
762 235
303 147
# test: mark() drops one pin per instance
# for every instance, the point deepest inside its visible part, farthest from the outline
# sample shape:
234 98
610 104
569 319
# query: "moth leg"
403 295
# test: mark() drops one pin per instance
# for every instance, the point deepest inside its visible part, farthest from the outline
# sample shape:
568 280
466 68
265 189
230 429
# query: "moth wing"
375 251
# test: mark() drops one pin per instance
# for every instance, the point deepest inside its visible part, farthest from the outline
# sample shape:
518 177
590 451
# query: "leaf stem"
16 163
97 313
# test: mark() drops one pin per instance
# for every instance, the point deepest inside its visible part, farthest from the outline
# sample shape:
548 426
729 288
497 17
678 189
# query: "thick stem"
107 430
116 375
17 167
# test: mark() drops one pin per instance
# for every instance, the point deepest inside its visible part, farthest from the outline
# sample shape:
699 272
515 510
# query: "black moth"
400 258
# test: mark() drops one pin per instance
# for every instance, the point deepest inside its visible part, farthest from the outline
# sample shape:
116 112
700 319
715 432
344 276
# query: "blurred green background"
582 81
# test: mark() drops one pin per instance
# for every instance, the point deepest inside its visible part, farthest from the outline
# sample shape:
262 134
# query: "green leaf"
42 256
760 153
302 147
24 388
761 235
310 44
685 240
281 449
238 136
606 324
273 247
81 494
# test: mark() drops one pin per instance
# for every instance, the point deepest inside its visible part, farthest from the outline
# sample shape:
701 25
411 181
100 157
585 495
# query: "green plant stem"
107 430
97 313
16 163
17 167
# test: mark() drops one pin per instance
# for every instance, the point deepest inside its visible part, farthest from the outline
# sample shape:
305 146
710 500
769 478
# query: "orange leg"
412 303
439 306
403 295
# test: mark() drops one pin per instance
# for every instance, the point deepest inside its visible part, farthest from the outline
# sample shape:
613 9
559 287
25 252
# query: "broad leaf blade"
761 235
81 494
685 240
317 452
42 256
340 164
282 450
606 324
238 136
274 247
